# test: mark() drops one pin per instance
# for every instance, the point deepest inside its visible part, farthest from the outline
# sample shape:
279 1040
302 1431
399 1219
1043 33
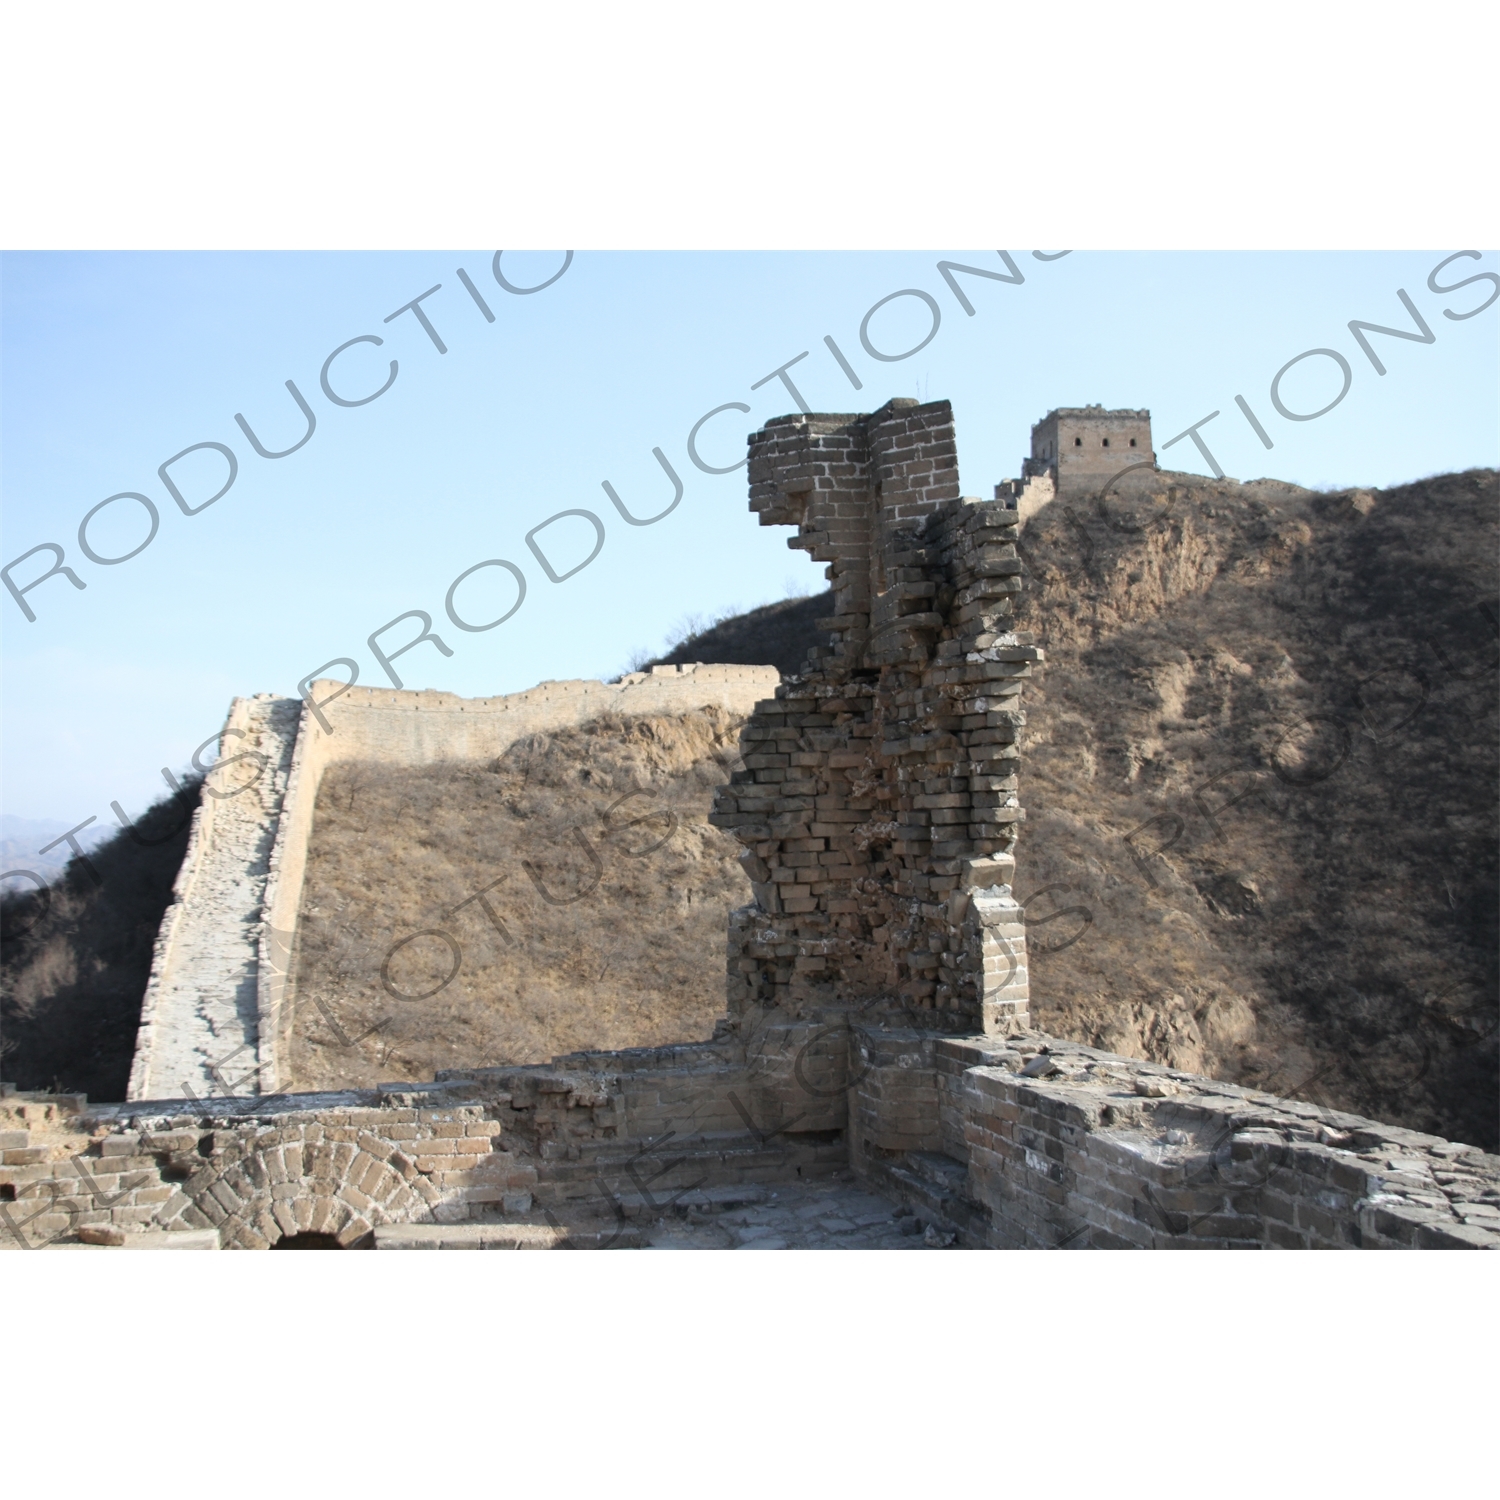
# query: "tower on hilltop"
1075 451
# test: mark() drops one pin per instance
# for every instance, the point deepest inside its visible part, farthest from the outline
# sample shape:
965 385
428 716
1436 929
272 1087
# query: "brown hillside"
1326 664
593 848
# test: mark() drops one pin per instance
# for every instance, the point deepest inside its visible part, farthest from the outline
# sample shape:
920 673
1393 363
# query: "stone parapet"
1016 1142
1053 1145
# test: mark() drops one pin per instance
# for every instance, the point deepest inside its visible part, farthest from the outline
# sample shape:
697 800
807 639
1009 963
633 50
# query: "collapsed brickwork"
878 807
1019 1142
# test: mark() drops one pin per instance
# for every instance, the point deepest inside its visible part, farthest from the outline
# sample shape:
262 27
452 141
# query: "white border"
786 124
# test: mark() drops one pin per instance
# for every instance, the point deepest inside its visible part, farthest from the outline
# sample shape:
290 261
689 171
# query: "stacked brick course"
878 806
1068 1147
333 1165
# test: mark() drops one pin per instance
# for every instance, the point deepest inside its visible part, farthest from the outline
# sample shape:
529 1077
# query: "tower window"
1078 442
1106 442
1132 442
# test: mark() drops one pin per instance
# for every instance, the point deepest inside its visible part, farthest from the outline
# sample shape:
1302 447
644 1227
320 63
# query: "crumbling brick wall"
1029 1142
1022 1141
878 806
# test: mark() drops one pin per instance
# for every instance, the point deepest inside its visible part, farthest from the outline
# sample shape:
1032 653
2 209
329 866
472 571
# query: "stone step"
940 1170
155 1239
935 1186
504 1237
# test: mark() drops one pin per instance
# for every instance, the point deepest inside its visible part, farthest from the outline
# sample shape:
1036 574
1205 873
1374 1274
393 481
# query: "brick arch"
295 1180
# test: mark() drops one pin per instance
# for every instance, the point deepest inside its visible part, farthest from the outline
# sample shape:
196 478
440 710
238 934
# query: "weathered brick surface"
1021 1142
877 806
1099 1151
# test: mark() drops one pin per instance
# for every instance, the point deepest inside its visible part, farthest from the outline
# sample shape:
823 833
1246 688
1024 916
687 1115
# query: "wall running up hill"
218 1005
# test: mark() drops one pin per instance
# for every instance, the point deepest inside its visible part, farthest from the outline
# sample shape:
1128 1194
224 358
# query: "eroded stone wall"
1016 1142
1034 1143
879 807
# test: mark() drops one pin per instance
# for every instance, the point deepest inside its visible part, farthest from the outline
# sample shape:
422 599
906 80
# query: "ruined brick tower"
878 805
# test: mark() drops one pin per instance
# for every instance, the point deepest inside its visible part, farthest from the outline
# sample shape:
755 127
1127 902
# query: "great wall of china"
222 969
877 1015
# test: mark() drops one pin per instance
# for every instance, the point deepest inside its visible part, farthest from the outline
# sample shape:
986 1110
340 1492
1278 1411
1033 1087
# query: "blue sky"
111 363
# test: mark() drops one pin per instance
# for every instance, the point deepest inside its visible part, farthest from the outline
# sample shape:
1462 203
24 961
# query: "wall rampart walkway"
218 1008
199 1019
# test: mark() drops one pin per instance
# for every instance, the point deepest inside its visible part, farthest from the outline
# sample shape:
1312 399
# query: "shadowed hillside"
775 635
75 958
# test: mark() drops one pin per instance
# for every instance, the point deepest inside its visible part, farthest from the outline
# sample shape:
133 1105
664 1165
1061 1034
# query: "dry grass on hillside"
1326 663
625 952
776 635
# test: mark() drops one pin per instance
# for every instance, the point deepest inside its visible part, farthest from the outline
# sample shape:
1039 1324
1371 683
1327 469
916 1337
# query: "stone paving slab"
182 1239
833 1214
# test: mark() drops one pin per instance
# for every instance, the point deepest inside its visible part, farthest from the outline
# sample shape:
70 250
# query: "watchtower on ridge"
1075 451
1083 447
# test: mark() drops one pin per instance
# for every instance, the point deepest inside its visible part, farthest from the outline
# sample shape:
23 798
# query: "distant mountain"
22 839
